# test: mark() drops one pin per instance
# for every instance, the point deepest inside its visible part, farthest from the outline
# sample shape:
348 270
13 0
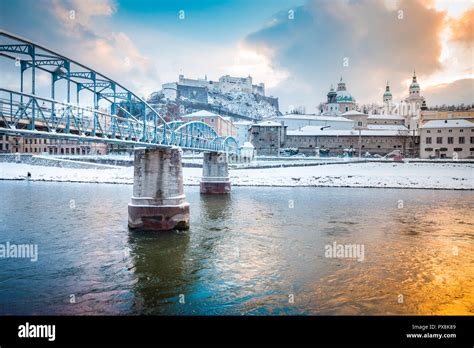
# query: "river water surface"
256 251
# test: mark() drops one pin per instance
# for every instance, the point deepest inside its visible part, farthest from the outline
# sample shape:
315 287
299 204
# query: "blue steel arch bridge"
128 120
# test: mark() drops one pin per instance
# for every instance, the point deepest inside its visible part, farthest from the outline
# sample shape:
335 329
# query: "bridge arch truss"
131 120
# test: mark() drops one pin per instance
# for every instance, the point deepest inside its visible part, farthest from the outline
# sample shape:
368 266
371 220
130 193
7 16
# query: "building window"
428 149
428 140
458 149
472 140
439 140
450 140
461 131
439 130
450 131
461 140
428 131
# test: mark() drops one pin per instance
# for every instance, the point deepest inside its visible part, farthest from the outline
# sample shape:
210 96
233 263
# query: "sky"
298 48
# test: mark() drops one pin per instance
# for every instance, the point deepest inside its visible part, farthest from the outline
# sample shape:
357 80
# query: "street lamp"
360 142
322 128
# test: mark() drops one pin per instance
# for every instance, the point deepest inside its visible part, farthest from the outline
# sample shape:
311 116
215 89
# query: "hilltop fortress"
199 89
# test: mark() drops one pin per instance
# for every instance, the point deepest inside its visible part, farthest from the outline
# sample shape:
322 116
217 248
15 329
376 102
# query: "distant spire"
387 88
414 76
341 79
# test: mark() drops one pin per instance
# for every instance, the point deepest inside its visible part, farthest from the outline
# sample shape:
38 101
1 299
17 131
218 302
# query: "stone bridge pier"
158 202
215 173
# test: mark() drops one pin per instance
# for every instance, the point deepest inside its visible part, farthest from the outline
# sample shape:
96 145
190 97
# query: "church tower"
332 96
332 108
387 96
414 90
341 86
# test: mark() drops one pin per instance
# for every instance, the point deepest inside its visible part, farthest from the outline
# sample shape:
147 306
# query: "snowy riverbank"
384 175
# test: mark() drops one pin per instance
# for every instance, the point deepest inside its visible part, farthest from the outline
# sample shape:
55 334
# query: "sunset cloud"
463 28
380 41
297 47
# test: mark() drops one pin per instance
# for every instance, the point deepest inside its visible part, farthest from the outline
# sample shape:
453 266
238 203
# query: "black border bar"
224 330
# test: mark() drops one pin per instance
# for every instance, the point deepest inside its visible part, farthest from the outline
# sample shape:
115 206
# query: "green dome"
344 99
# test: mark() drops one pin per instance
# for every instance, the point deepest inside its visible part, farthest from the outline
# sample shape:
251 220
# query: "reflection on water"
251 252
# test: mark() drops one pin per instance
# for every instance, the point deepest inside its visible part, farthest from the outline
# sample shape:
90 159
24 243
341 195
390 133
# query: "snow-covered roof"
315 130
168 85
201 113
387 127
248 145
243 123
353 113
448 124
385 117
312 117
268 124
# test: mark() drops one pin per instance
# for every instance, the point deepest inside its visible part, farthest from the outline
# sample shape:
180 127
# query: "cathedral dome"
343 96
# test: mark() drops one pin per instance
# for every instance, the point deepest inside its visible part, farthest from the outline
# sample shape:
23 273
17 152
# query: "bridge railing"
21 112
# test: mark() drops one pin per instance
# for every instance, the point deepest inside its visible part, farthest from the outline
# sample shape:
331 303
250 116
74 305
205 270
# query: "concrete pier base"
215 174
158 202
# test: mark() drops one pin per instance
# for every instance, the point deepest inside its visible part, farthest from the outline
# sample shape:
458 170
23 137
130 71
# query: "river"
257 251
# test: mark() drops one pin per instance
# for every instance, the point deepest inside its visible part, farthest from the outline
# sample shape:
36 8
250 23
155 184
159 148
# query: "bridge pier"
158 202
215 173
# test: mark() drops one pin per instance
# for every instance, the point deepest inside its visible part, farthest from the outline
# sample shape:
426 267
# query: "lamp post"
324 127
360 142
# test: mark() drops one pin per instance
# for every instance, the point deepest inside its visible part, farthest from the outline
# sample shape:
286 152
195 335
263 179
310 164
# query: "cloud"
457 92
297 59
246 61
84 26
463 29
77 16
378 41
